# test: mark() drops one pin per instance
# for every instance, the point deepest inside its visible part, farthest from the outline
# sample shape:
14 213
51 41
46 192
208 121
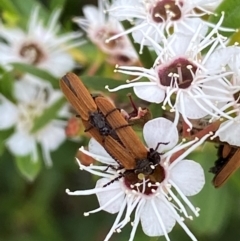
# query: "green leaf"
156 110
44 75
6 84
215 204
57 4
27 167
27 6
231 8
154 239
8 6
48 115
145 57
99 82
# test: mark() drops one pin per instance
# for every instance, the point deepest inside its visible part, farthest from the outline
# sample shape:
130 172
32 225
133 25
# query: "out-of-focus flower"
31 102
155 17
153 197
182 78
229 58
40 45
99 27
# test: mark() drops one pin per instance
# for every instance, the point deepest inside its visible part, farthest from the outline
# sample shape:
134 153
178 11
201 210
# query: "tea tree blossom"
40 45
100 27
31 102
229 130
153 197
181 78
154 17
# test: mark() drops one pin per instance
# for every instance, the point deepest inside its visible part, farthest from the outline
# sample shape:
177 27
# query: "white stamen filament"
180 205
131 204
120 213
180 220
137 218
185 199
159 219
130 85
112 200
125 32
91 191
102 159
97 173
189 150
177 148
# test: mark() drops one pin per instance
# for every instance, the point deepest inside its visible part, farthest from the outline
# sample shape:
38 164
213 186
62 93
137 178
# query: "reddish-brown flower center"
166 10
179 73
135 181
32 53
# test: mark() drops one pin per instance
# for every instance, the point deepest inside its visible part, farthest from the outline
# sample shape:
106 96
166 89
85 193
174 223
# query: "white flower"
100 27
152 197
230 61
40 45
154 17
181 78
31 103
229 130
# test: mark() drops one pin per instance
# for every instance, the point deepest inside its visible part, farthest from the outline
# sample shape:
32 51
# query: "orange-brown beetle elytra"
94 121
145 159
106 124
83 102
77 94
227 163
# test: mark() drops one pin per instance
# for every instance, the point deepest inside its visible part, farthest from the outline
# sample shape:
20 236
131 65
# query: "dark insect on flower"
94 120
145 160
227 163
107 125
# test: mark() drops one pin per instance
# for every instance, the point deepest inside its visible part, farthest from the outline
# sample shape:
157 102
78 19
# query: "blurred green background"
41 210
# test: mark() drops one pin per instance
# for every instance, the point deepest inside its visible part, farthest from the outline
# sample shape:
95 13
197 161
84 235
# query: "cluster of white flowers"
195 76
43 47
100 27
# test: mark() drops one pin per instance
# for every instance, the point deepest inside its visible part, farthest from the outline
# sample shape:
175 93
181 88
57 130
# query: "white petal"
9 113
180 47
152 94
231 134
21 144
92 14
55 95
222 57
150 222
62 61
104 197
160 130
188 176
119 10
188 107
189 29
95 148
25 92
52 136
